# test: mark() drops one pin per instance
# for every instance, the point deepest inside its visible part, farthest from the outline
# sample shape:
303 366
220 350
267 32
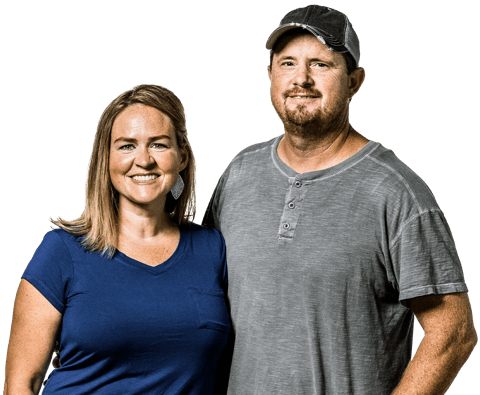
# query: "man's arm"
449 339
209 217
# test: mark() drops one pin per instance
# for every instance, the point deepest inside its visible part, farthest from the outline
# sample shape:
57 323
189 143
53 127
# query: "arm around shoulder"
35 326
449 339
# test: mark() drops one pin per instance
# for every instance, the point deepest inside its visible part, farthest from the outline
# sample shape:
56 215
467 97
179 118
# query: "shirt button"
291 205
298 184
286 226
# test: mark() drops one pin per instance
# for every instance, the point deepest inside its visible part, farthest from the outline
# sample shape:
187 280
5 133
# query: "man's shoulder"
258 150
249 163
393 177
391 168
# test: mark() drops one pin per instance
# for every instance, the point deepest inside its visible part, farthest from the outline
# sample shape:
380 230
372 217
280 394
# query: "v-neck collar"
161 268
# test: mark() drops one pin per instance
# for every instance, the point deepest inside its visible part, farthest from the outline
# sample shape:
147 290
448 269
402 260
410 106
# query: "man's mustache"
301 92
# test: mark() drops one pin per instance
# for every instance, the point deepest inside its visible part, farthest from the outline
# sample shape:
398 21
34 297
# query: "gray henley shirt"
321 267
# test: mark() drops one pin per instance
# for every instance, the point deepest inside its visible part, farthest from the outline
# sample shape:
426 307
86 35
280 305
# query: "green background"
63 62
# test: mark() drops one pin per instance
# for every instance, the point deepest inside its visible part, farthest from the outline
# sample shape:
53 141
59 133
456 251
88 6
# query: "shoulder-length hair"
98 223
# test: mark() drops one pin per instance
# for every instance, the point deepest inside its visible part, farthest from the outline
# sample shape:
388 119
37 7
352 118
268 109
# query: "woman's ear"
184 158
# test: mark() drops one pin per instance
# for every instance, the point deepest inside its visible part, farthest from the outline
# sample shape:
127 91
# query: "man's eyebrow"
314 59
323 60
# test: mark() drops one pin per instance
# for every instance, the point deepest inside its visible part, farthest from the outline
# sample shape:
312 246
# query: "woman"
132 290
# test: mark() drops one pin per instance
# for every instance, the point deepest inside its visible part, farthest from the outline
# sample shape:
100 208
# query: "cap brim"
277 33
282 29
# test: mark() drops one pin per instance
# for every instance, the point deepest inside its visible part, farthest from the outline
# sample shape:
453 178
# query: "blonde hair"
98 223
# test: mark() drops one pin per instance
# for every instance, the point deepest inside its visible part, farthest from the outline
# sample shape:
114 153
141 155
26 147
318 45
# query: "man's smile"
303 97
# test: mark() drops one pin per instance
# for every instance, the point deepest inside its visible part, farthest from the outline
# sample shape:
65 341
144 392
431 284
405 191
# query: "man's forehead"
303 44
296 34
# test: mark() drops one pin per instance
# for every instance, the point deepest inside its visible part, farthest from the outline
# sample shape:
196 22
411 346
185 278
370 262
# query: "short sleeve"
51 271
212 217
425 260
208 219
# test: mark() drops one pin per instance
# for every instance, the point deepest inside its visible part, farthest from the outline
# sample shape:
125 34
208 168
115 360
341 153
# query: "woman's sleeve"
51 271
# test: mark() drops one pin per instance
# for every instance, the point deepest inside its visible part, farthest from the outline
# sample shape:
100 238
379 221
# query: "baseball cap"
330 26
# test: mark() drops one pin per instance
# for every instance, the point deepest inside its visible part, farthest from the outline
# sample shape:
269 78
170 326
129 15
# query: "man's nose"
302 76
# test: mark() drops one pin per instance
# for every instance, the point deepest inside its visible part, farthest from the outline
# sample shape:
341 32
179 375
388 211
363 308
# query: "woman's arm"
32 339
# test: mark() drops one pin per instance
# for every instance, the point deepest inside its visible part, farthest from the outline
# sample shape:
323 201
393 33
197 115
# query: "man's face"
309 83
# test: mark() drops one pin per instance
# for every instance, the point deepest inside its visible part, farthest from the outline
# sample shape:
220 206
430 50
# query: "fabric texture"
129 328
322 266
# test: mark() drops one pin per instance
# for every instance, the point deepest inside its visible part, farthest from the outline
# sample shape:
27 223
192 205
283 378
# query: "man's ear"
270 72
356 79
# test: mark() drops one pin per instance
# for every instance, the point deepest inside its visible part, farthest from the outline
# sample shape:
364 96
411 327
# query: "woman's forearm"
17 390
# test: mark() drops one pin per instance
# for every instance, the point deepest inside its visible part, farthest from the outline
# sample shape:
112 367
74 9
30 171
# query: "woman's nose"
143 158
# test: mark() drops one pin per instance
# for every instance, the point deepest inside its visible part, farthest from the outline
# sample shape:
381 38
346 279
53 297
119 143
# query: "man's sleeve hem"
437 289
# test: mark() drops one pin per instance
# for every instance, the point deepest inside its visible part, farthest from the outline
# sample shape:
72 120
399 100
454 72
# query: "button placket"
292 209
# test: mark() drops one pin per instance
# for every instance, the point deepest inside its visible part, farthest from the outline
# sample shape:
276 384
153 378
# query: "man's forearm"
435 365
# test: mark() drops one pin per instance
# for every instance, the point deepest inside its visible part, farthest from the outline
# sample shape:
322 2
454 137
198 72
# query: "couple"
332 245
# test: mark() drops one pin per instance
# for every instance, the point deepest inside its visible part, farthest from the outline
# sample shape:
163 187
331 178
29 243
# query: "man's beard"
311 124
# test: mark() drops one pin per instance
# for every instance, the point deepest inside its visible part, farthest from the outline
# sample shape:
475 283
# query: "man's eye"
287 64
320 64
127 147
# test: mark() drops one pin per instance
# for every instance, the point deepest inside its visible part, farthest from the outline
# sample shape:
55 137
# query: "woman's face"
145 158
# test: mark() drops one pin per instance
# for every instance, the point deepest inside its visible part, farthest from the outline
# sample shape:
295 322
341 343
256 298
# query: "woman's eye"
127 147
158 146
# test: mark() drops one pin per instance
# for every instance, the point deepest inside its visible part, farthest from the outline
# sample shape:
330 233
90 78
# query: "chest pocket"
212 310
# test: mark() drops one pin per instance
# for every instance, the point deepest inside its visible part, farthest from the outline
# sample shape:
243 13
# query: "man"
333 244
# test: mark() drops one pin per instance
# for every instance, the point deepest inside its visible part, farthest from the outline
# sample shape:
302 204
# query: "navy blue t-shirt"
129 328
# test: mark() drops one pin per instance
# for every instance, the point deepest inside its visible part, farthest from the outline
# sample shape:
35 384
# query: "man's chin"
301 118
310 125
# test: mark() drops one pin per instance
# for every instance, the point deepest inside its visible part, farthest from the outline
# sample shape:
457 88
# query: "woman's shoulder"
207 246
61 239
55 239
200 230
58 243
206 235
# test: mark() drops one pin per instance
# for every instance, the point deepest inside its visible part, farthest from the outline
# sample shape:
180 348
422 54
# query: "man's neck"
305 155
